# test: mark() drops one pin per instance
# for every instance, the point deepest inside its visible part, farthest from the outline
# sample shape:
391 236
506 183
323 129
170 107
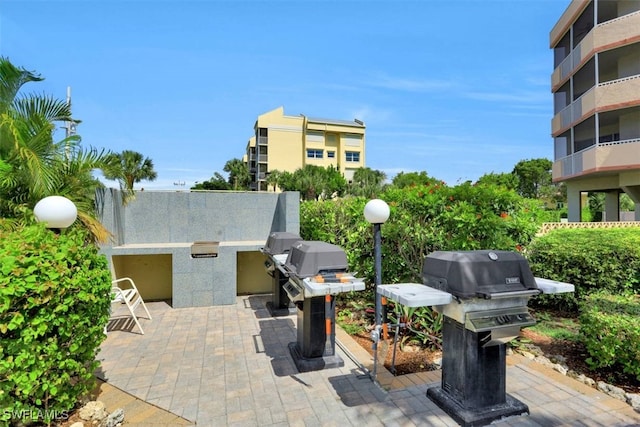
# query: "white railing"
572 60
573 163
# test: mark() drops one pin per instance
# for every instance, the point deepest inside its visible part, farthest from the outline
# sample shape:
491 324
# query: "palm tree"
32 165
273 177
130 167
239 177
367 182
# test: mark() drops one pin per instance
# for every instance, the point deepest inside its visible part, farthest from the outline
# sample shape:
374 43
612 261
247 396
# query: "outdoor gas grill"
488 293
277 249
317 272
491 290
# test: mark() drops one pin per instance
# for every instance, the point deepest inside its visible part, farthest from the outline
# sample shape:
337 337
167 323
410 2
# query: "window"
331 154
314 154
353 156
352 139
315 136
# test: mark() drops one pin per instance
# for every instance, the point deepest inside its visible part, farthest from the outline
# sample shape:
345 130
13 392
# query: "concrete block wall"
157 223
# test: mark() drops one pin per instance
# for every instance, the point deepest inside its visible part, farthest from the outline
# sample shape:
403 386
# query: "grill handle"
511 294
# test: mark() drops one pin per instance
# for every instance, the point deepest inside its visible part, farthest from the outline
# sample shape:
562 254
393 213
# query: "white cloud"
411 85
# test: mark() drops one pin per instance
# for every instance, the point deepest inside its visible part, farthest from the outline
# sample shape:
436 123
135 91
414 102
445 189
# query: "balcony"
263 140
608 35
606 96
608 157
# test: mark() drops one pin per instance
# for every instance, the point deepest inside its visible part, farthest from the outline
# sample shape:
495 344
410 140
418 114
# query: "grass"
555 327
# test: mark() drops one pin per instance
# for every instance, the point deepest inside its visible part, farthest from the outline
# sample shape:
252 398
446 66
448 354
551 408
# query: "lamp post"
376 212
56 212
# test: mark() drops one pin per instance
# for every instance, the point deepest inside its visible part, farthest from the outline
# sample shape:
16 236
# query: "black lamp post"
376 212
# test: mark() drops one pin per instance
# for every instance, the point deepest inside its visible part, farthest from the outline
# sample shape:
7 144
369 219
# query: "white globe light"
56 212
376 211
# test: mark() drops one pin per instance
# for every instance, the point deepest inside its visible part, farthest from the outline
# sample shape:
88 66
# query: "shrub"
590 259
54 304
611 332
424 218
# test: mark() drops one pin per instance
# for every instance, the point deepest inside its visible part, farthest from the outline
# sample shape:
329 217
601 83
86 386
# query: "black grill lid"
309 258
280 242
482 273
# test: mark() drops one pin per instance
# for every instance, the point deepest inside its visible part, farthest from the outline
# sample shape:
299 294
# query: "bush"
424 218
54 304
591 259
611 332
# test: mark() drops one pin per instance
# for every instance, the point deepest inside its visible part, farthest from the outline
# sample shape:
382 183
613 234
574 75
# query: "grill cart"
489 292
277 249
317 272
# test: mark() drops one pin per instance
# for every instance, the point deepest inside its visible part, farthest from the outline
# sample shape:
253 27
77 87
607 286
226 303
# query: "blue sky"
454 88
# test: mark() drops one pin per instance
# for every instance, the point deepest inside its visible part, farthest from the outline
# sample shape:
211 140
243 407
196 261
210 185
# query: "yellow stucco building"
287 143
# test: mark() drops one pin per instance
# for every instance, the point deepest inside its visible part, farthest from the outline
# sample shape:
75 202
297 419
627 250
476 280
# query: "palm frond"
12 78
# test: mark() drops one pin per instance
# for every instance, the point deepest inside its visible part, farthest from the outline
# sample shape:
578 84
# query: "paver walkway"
230 366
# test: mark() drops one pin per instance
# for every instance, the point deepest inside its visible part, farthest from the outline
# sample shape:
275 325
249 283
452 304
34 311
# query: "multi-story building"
287 143
596 89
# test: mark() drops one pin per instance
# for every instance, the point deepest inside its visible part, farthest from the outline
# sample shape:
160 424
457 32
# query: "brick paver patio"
230 365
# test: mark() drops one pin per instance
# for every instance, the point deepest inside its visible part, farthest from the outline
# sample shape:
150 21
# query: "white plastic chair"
129 296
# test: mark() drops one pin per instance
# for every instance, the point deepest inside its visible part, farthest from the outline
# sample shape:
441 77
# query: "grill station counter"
277 250
317 272
488 293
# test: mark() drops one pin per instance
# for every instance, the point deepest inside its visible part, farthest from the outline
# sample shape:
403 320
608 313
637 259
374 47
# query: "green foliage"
217 182
424 218
367 182
422 325
314 182
507 180
557 328
239 178
32 164
54 304
130 167
533 175
408 179
590 259
609 325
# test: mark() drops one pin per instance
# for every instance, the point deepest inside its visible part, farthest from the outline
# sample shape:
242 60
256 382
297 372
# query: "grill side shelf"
414 294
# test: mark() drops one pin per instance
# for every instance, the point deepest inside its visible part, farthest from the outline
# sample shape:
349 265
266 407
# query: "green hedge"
611 331
591 259
54 304
424 218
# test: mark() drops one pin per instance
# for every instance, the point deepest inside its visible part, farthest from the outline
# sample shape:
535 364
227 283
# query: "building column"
611 206
573 204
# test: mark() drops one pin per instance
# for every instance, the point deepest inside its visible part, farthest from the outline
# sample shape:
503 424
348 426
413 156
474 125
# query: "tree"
239 177
533 175
367 182
408 179
32 165
273 177
314 182
132 166
217 182
506 180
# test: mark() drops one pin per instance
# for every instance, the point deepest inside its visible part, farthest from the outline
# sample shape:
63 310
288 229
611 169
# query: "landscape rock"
562 369
528 355
634 400
93 411
612 391
114 419
543 361
77 424
585 380
556 358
